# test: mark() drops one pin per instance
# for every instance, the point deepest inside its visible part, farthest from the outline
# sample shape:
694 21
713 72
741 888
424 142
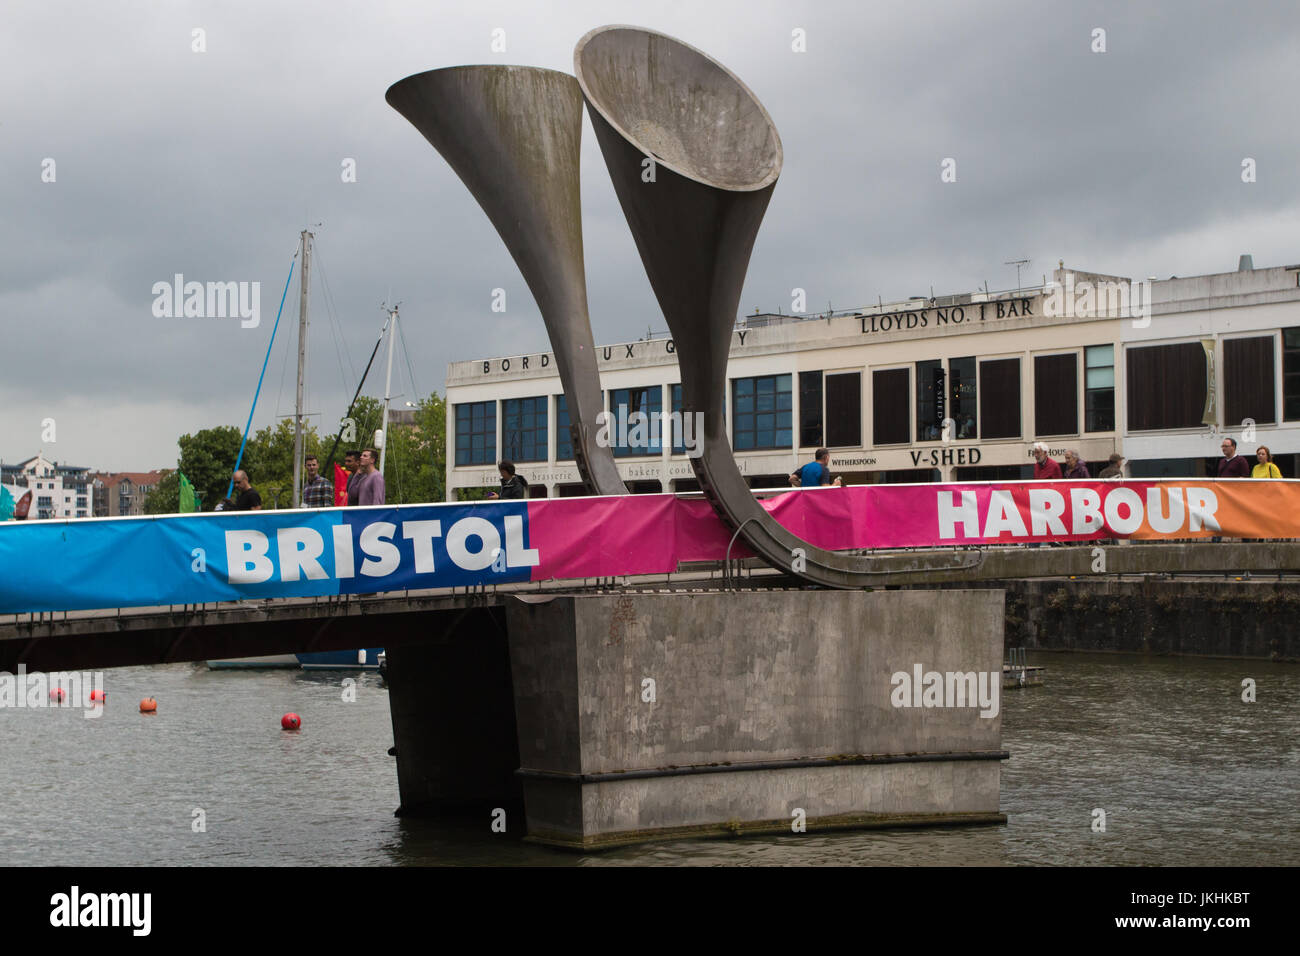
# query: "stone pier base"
653 716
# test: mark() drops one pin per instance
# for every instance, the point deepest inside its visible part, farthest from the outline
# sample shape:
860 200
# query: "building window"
476 433
1000 398
1099 388
635 414
1056 394
523 428
696 428
891 423
929 400
961 395
762 416
844 410
1248 389
1165 385
810 409
563 439
1291 374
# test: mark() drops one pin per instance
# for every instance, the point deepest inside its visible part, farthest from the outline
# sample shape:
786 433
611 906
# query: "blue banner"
229 556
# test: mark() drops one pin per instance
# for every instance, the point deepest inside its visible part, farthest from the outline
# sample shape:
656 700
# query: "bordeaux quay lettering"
956 315
606 354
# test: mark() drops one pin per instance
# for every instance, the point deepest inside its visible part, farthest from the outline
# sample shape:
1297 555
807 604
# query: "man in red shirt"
1044 467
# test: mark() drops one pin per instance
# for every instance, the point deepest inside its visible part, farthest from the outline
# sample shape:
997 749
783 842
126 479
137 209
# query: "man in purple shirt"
1232 465
370 483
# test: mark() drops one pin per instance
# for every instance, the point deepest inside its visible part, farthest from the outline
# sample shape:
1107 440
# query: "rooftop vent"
1245 264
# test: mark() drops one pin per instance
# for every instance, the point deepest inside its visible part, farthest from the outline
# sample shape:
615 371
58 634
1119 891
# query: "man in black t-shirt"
247 498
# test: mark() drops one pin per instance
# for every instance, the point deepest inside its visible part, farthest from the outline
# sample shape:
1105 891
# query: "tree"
164 499
208 460
415 465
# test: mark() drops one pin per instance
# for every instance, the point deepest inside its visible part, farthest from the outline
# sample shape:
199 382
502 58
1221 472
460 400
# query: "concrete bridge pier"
651 716
453 714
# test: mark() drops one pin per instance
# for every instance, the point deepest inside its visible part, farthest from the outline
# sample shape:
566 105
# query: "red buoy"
98 695
57 694
148 706
290 721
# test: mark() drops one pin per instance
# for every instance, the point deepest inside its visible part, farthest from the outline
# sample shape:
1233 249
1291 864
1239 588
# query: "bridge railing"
192 559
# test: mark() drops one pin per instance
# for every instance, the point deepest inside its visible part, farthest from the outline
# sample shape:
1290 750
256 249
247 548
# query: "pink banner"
653 534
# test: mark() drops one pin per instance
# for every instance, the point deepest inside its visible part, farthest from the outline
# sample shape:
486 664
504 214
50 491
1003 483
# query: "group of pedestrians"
365 485
1231 465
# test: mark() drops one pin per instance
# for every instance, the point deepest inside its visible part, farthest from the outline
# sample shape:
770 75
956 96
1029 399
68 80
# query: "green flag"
187 496
6 504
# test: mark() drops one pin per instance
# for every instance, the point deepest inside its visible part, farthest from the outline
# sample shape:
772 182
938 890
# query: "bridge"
622 664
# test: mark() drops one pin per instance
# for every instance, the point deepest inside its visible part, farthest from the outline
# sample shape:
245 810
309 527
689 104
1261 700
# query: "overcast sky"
208 164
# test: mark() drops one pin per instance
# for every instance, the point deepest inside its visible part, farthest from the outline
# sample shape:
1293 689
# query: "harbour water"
1185 771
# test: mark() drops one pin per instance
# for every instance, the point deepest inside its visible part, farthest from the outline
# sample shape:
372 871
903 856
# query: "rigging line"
332 311
401 336
373 352
244 441
284 368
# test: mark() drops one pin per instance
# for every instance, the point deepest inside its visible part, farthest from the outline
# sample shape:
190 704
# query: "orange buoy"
148 706
98 695
57 694
290 721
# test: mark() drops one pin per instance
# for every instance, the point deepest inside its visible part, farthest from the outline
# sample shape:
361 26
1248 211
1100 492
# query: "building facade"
953 388
58 491
123 493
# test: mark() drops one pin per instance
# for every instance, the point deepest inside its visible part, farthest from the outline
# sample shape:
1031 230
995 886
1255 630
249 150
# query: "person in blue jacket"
815 473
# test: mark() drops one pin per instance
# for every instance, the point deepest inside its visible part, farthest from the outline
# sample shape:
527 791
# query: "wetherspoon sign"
193 559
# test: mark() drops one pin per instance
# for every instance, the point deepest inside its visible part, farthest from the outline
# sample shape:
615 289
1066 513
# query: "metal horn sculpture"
660 105
512 134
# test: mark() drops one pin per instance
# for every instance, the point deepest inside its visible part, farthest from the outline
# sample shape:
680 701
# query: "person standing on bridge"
1265 467
1232 465
1074 468
352 462
816 473
512 485
317 492
248 499
370 483
1044 467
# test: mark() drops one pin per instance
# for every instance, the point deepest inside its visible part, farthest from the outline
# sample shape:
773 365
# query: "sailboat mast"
302 370
388 385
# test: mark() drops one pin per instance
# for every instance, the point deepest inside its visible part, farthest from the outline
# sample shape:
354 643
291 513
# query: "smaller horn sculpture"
512 134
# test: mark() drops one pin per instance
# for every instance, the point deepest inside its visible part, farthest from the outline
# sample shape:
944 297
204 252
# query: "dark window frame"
884 427
653 402
532 445
465 454
748 421
993 418
1049 408
837 429
1094 405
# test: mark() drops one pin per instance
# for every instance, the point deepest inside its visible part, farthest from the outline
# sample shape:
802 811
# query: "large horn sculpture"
694 158
512 134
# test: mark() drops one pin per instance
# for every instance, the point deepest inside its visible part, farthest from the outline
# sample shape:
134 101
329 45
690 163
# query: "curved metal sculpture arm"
512 134
659 104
